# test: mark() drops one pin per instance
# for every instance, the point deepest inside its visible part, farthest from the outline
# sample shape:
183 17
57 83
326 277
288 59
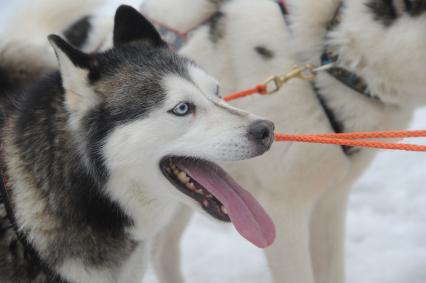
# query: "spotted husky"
97 156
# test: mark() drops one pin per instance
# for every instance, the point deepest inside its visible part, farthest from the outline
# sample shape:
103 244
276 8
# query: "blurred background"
386 239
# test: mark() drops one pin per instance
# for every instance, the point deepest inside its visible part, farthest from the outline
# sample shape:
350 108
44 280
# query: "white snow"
386 241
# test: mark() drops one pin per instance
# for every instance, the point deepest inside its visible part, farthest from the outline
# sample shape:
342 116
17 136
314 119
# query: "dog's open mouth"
220 196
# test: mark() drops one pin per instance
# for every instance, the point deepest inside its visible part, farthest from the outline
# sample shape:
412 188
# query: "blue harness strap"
344 76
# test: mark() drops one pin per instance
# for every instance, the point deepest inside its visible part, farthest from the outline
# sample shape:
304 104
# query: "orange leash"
353 139
377 135
308 72
275 83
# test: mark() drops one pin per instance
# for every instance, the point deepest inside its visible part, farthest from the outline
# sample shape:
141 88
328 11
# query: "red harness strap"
284 9
260 89
174 38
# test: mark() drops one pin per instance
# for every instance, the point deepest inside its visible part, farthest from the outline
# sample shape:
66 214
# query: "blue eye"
182 109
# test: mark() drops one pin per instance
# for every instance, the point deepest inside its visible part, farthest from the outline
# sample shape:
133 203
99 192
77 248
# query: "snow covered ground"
386 240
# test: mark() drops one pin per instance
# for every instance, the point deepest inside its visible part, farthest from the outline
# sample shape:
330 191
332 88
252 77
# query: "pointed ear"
130 25
77 71
67 53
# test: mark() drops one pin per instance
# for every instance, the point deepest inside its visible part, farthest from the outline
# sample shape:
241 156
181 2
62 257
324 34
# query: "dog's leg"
328 236
165 255
135 268
289 258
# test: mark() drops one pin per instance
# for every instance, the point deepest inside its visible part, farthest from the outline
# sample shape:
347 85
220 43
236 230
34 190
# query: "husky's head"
385 42
150 124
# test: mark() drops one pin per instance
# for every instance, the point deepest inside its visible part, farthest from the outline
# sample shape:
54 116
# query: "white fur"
76 271
36 19
157 10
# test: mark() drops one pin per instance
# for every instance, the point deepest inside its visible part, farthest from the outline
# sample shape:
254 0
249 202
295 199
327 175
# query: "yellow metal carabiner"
275 83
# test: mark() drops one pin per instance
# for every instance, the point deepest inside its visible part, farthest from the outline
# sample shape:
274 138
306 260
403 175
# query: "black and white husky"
97 156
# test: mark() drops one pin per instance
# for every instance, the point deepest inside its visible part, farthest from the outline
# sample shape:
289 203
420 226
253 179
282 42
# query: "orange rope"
346 139
260 89
377 135
352 139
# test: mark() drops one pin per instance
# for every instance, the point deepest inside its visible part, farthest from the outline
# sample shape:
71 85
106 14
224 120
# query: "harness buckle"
305 73
272 85
275 83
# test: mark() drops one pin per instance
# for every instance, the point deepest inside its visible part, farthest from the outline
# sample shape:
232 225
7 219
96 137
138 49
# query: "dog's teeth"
224 210
183 177
209 196
191 186
200 191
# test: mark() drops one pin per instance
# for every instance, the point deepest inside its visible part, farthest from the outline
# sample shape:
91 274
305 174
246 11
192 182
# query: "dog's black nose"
262 132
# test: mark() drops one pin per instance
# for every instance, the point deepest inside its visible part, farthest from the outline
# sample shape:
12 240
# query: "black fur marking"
264 52
415 7
217 3
20 69
384 11
77 34
130 25
336 125
217 27
14 76
6 83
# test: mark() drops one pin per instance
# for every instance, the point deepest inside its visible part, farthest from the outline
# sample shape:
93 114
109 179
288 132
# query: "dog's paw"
388 11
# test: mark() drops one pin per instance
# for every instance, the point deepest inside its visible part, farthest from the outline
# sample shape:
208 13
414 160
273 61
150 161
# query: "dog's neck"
52 191
331 57
311 36
362 42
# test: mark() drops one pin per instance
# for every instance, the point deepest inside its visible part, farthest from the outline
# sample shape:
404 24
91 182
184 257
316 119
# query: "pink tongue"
247 215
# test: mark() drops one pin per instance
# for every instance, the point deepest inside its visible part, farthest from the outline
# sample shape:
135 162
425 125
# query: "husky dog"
306 187
98 156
